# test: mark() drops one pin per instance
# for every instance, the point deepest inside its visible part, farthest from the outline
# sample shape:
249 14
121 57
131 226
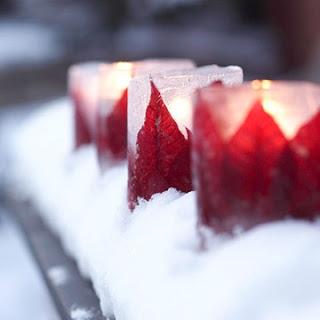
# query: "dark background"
39 39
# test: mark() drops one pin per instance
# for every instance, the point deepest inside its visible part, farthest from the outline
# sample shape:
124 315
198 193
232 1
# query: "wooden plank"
72 294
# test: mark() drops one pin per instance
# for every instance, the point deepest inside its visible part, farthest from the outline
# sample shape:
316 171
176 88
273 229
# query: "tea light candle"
256 153
159 122
83 88
112 114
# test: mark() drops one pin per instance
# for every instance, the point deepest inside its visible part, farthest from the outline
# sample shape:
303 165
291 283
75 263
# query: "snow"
58 275
150 264
23 294
81 313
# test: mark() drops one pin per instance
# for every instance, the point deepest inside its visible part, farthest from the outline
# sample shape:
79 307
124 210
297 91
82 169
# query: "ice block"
256 153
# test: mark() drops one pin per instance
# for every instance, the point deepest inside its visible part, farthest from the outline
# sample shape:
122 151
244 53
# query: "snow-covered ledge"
147 265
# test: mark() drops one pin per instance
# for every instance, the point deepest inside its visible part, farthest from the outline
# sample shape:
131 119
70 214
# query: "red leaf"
112 131
81 130
238 175
306 194
253 153
207 161
163 154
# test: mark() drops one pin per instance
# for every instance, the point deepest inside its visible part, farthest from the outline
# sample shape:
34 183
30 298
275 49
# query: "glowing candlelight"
256 153
114 80
181 110
112 114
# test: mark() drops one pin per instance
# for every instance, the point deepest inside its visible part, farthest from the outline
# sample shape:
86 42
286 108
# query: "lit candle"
83 89
112 114
256 153
159 122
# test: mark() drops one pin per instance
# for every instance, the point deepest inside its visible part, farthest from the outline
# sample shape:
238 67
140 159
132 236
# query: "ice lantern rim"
78 73
85 68
290 103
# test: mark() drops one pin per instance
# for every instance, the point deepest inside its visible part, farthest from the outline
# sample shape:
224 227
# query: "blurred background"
39 39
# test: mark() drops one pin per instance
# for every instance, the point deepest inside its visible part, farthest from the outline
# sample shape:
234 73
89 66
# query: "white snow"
78 313
58 275
23 294
148 265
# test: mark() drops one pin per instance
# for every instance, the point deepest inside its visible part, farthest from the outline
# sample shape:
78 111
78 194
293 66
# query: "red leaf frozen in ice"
306 194
258 175
81 130
283 183
208 150
250 165
163 153
112 131
253 153
179 171
239 173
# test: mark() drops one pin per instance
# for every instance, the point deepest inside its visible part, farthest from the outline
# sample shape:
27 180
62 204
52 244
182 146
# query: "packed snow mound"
148 264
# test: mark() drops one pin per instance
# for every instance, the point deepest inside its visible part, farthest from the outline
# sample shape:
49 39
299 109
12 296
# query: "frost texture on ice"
147 265
173 85
148 66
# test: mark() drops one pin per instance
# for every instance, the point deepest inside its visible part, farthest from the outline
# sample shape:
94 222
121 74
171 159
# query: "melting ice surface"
147 265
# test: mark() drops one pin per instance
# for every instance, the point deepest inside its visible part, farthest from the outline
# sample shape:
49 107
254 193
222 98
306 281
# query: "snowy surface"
23 294
81 314
148 265
58 275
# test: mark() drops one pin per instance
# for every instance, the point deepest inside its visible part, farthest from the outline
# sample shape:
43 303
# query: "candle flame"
272 107
122 65
115 80
261 84
181 110
281 114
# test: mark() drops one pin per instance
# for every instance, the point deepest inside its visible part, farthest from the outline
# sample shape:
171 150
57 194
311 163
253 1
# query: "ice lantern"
159 122
83 85
256 153
111 140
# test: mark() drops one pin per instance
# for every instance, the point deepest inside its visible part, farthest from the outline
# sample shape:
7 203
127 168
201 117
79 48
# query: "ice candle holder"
111 140
159 124
83 86
256 153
